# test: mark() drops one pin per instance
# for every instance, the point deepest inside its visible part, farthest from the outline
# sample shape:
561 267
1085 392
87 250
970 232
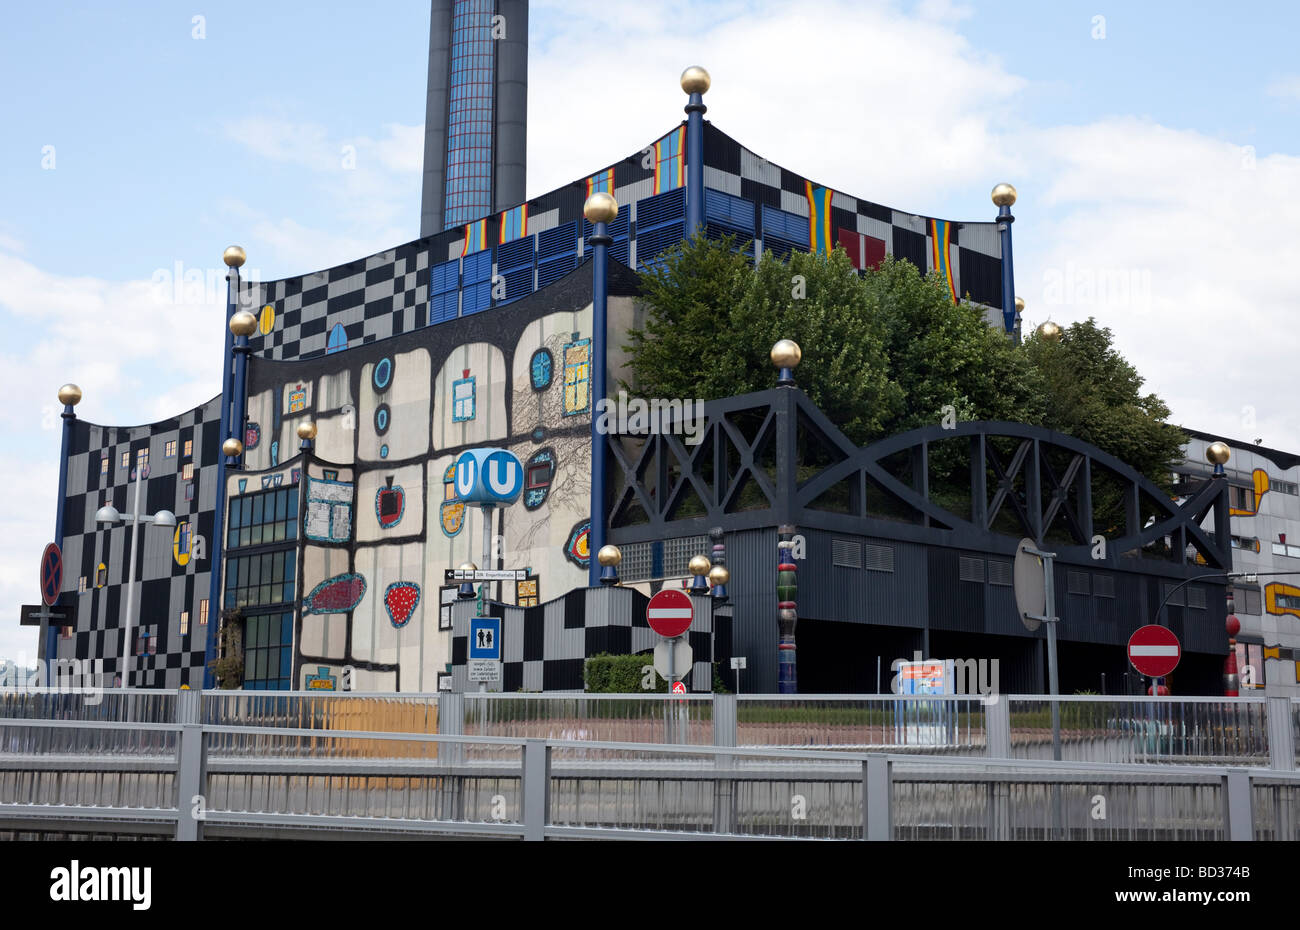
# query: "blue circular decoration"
538 434
541 368
381 419
383 451
383 374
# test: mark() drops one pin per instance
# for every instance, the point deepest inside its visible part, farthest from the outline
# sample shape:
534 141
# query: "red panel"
851 241
873 253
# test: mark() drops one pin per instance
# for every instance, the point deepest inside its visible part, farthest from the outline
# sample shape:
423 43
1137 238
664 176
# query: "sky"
1155 147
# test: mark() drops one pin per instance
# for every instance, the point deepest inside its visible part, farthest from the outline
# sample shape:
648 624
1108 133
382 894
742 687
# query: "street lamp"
109 514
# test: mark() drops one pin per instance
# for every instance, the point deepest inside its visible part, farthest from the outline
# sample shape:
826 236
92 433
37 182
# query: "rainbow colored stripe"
514 224
601 183
670 161
819 219
940 234
475 237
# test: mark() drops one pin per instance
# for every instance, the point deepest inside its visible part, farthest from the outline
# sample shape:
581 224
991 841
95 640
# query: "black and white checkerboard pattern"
543 648
388 293
166 590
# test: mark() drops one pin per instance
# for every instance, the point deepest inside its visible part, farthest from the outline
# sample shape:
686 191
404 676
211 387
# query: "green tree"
883 352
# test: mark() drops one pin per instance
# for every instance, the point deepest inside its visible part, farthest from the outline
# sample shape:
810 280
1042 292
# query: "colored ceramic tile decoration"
452 511
252 436
514 223
670 161
400 599
541 368
475 237
940 232
390 504
577 550
462 399
539 471
335 595
329 511
322 680
382 376
819 218
602 183
382 419
266 321
577 377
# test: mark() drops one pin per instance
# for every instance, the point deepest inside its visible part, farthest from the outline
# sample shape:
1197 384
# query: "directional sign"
452 575
59 615
1154 651
669 613
485 638
682 658
51 574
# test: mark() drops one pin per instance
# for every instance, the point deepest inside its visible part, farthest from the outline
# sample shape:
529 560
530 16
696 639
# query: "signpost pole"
136 526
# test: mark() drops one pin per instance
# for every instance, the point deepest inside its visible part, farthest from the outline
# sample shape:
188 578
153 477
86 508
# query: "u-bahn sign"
51 574
1154 651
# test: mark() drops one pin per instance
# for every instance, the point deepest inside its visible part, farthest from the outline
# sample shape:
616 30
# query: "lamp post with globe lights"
108 514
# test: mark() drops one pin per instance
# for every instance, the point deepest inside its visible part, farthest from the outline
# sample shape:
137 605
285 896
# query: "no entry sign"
669 613
1154 651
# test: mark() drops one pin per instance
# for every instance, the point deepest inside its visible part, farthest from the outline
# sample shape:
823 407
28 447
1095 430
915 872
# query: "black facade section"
615 640
981 277
720 150
911 246
562 675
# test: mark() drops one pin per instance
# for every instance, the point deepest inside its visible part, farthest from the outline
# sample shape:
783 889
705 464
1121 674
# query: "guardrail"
1254 731
193 780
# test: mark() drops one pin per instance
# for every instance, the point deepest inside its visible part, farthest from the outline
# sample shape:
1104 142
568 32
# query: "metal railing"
520 787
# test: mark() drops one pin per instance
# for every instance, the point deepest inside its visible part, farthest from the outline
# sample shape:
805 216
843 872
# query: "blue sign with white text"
485 638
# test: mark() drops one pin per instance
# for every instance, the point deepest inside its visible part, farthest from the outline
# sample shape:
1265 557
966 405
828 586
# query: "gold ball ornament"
1049 332
1218 453
307 429
786 354
70 395
1020 304
243 323
609 555
695 80
234 256
1004 195
467 567
719 574
232 447
600 208
700 565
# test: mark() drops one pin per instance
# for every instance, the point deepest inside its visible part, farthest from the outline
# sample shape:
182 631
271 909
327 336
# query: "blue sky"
1158 148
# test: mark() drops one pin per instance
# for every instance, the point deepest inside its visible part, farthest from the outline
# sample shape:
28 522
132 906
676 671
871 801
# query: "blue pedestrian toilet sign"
485 638
484 665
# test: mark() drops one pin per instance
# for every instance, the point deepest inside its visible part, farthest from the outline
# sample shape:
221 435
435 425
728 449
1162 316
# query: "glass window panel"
277 566
286 629
245 535
290 564
278 535
254 571
281 504
257 507
286 662
268 567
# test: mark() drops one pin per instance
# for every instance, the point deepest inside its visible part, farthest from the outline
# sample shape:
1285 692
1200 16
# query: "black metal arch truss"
779 449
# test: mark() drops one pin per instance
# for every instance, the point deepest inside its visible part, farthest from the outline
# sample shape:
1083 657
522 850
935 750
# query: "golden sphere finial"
719 574
307 430
700 565
695 80
1049 332
69 395
609 555
1004 195
1218 453
232 447
600 208
786 354
234 256
1020 304
243 323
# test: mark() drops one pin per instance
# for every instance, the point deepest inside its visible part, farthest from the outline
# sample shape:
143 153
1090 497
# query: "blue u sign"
489 476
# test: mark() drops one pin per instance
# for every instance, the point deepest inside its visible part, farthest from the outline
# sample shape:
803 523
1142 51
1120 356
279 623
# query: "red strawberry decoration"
401 599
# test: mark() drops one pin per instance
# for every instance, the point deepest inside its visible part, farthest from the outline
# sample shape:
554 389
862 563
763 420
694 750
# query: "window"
1245 542
602 183
577 377
264 517
526 592
1241 498
169 449
540 368
268 651
142 458
1283 487
185 623
1250 655
1247 600
462 399
203 611
189 490
258 580
103 464
1289 550
142 644
1288 601
189 448
1196 598
338 339
101 575
65 633
669 161
126 458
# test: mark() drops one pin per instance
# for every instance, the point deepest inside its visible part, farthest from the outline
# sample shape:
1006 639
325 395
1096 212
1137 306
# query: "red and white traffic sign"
679 687
670 613
1154 651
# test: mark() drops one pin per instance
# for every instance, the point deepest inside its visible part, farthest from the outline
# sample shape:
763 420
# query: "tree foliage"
883 352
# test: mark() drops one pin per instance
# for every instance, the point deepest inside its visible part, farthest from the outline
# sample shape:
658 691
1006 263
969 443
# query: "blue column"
600 242
239 396
1004 195
695 83
233 258
66 393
